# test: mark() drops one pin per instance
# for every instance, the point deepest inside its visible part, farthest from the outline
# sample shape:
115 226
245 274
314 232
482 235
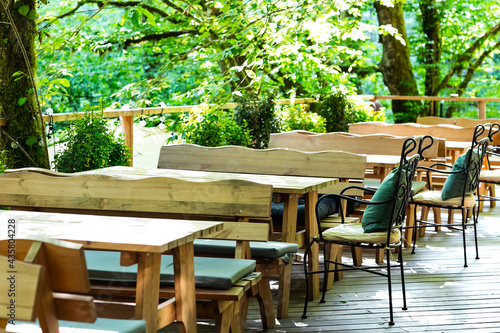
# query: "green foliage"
294 117
91 145
339 111
3 167
259 116
211 127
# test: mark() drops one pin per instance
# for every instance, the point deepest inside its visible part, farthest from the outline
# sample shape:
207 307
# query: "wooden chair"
50 281
382 231
236 202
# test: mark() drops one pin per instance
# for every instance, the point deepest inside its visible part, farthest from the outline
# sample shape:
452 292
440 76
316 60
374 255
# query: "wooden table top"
387 160
281 184
106 232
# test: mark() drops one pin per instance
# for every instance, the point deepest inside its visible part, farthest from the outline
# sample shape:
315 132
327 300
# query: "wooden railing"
127 115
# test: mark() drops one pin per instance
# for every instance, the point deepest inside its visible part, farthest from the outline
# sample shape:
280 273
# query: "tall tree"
22 137
395 65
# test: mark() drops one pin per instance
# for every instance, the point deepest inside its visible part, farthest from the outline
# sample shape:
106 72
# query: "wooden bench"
445 131
371 144
235 201
50 278
347 167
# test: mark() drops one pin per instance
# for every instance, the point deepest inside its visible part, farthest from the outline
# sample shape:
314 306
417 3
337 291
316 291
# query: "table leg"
311 199
185 295
289 226
148 289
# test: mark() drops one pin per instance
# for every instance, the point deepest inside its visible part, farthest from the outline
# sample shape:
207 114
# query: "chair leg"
389 286
403 287
464 219
493 202
475 217
306 273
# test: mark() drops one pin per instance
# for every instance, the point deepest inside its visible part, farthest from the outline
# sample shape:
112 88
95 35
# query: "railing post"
128 129
482 110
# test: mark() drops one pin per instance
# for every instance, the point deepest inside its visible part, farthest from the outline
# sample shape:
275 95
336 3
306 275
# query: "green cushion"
215 273
377 218
454 185
264 250
100 325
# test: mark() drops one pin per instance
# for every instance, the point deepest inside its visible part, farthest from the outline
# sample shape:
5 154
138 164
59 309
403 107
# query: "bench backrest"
262 161
447 132
462 122
376 144
156 196
50 275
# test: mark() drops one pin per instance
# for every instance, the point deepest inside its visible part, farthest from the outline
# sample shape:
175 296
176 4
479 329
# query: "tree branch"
180 10
470 71
467 55
156 37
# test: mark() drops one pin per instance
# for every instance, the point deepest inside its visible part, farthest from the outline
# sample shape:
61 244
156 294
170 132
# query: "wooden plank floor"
442 295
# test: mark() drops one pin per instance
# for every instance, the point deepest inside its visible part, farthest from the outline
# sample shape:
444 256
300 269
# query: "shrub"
294 117
212 127
340 111
3 167
260 117
91 145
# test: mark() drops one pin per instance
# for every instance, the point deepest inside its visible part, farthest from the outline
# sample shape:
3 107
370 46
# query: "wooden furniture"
141 242
49 278
234 159
447 132
146 196
382 151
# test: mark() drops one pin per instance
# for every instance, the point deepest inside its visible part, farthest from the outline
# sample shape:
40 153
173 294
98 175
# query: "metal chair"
396 187
458 192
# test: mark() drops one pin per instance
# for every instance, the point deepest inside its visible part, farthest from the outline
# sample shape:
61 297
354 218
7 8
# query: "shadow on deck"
442 295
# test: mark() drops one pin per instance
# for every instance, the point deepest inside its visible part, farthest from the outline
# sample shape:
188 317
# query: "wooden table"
382 165
292 187
148 238
456 148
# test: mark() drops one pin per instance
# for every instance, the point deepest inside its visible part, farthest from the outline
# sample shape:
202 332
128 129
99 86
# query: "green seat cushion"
263 250
215 273
101 325
377 218
454 185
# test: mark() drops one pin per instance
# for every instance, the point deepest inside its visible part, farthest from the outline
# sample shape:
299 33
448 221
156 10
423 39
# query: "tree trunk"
17 100
395 65
433 44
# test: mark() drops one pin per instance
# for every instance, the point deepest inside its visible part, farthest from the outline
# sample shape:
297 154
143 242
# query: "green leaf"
31 141
150 17
5 40
21 101
30 91
24 10
33 15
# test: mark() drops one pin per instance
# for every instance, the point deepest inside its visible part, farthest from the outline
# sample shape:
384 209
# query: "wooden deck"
442 295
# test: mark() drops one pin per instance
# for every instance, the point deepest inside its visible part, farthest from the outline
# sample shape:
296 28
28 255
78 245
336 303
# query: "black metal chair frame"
483 197
472 173
408 166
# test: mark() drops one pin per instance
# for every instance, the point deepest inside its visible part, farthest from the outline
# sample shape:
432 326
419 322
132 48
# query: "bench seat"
100 325
213 273
259 250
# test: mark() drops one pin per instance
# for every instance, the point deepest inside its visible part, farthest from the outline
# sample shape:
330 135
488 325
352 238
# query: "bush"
3 167
212 127
91 145
294 117
260 117
340 111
